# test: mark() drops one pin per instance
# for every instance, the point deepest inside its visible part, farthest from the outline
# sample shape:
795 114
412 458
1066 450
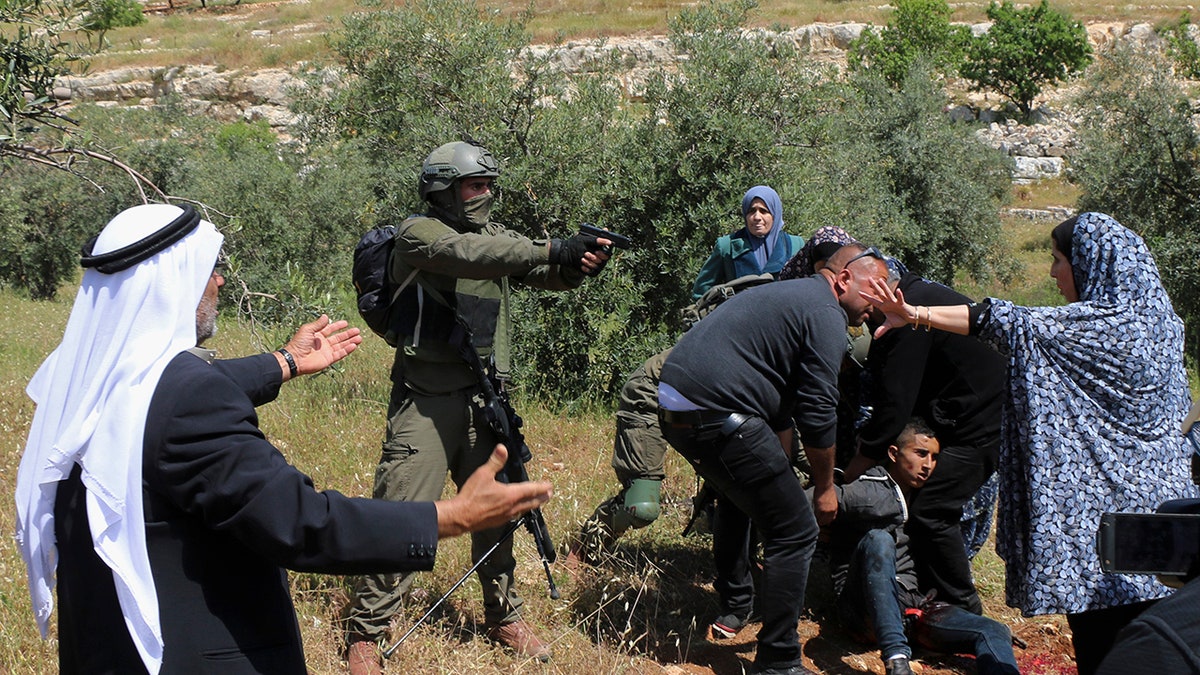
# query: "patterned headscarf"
763 246
1097 391
819 247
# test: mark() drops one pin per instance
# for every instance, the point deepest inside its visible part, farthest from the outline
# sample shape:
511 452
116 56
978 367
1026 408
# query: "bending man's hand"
320 344
825 505
483 503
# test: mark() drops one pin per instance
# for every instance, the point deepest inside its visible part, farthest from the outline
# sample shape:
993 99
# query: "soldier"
453 263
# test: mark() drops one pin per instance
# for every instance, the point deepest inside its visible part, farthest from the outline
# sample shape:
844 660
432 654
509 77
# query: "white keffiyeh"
92 394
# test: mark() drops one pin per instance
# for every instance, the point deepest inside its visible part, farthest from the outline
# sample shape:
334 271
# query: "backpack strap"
404 285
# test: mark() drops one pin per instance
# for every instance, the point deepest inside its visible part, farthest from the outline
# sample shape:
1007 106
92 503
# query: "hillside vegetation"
278 33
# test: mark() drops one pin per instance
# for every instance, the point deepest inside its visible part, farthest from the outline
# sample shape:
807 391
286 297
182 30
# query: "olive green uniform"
435 420
639 452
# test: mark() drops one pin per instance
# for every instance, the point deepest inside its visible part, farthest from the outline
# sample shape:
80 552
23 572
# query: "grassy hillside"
636 614
280 33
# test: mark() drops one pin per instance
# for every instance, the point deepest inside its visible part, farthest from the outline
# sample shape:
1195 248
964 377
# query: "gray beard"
206 321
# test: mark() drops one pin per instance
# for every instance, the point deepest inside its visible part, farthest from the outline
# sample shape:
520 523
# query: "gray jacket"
872 502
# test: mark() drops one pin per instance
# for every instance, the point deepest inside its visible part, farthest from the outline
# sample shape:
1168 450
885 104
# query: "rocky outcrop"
226 95
1038 149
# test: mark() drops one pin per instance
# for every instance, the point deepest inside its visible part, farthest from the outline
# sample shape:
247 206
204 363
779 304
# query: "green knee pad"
641 503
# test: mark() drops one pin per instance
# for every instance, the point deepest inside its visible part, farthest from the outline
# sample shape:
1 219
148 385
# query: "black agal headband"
128 256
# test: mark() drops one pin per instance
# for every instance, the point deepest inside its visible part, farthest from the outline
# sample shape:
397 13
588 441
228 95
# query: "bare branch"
49 157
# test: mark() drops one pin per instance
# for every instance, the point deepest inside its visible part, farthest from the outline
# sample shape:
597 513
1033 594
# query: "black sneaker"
727 626
897 665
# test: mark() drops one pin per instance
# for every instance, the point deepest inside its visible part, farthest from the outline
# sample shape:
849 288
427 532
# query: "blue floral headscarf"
1097 391
763 246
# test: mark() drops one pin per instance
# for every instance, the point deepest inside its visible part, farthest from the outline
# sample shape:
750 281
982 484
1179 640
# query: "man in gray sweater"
728 395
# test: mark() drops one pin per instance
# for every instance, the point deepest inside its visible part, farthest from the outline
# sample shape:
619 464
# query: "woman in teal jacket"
761 247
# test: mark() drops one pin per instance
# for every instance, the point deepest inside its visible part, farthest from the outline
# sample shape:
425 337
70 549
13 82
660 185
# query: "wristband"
291 363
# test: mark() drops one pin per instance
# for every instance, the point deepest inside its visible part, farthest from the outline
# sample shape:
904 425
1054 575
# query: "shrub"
948 186
1024 51
290 215
1181 46
109 14
920 30
1139 160
46 215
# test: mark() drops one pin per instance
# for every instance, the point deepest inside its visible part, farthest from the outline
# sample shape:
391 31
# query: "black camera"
1166 542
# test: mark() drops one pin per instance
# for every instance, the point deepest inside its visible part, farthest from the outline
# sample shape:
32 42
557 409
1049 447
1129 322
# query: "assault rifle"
506 424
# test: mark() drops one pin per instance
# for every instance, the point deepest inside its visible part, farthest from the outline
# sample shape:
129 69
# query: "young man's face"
913 461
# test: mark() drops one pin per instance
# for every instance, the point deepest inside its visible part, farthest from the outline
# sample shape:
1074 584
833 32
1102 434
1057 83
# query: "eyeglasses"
871 251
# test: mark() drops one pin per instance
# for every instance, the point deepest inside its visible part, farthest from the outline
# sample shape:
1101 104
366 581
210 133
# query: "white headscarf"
92 394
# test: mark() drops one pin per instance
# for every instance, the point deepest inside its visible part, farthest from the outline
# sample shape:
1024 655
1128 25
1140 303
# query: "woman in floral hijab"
824 243
1096 393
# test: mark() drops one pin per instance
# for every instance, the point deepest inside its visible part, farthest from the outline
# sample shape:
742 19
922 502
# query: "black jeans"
935 536
749 468
732 555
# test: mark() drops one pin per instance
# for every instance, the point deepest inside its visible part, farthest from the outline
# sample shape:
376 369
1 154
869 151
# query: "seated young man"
873 573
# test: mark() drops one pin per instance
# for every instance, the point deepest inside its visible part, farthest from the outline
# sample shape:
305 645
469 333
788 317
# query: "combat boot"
520 638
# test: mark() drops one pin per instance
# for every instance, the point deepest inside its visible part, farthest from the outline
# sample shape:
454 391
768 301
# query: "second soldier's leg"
639 456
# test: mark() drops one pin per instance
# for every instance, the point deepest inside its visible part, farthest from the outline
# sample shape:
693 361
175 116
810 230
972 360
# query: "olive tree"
920 30
1026 50
666 167
1139 161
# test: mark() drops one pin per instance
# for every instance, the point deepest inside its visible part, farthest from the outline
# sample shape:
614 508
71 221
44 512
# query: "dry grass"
1045 193
282 33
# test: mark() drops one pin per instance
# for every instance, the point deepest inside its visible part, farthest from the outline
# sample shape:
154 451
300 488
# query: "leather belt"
698 420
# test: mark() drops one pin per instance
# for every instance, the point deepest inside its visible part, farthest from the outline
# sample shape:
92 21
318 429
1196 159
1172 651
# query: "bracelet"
291 363
928 319
917 318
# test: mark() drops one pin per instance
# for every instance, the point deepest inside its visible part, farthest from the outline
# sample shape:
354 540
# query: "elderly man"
728 395
149 494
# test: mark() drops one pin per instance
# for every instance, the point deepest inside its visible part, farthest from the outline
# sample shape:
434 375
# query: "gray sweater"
772 351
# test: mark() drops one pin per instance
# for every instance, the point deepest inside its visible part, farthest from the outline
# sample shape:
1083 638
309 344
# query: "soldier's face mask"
478 210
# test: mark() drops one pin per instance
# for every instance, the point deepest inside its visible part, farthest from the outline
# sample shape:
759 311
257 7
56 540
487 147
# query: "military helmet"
452 161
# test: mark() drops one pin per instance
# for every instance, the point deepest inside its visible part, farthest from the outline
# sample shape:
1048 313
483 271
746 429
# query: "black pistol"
618 240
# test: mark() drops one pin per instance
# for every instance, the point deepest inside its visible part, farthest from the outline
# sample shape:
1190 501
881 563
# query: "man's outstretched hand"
320 344
483 503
